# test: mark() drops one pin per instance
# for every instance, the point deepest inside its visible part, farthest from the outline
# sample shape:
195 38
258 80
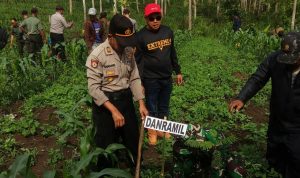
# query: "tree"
100 4
70 7
294 15
84 9
190 14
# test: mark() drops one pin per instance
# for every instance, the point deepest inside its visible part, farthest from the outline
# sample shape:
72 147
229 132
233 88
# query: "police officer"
33 30
113 79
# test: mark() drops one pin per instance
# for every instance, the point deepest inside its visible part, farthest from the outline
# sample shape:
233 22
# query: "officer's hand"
118 119
179 79
143 110
236 105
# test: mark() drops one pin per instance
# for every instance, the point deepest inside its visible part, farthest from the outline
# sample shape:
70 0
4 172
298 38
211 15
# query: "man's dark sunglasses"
152 18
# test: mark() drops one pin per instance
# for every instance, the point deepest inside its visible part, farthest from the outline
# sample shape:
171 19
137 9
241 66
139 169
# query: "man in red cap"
157 60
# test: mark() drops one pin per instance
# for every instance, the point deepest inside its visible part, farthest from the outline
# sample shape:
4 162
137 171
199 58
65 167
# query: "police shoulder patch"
94 63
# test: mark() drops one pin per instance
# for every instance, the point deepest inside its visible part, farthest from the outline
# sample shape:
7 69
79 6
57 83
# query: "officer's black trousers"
105 129
57 47
283 153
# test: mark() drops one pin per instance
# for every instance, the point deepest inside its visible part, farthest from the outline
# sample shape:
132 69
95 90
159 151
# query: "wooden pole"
141 141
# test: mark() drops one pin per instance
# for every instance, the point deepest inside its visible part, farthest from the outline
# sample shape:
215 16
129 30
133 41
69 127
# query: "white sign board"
165 126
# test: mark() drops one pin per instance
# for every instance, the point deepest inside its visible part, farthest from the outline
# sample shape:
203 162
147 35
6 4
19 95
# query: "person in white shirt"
57 25
126 13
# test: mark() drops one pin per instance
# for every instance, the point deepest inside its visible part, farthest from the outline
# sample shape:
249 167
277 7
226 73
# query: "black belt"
117 95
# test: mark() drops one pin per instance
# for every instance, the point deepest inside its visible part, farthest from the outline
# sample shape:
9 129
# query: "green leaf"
111 172
85 160
114 147
49 174
18 165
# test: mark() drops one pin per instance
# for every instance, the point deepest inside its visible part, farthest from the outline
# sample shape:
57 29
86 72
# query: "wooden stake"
141 141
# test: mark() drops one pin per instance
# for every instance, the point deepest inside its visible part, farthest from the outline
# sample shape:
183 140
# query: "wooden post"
141 141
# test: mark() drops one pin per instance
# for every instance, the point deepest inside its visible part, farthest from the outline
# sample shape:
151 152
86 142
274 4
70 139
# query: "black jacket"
285 99
156 55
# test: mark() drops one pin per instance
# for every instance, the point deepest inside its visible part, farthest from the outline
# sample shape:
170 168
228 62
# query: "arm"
174 60
65 24
21 27
257 81
41 30
137 89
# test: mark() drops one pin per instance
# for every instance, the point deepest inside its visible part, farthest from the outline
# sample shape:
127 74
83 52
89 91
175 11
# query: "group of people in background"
30 34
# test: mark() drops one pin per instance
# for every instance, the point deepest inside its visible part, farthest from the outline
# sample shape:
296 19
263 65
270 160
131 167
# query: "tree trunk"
294 15
115 7
93 3
276 6
195 8
155 1
218 8
100 4
70 7
84 9
162 6
137 6
254 5
165 7
190 14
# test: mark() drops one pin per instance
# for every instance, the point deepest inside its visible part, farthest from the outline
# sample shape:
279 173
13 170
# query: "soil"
46 116
240 75
258 114
42 144
12 109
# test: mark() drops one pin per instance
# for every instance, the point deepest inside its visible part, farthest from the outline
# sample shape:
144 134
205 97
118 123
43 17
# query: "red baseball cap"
151 8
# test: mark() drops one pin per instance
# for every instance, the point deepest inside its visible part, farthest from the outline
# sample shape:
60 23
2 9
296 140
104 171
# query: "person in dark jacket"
237 23
157 60
18 35
93 31
282 67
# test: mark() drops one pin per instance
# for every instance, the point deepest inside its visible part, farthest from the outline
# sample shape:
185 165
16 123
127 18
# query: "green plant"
55 155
